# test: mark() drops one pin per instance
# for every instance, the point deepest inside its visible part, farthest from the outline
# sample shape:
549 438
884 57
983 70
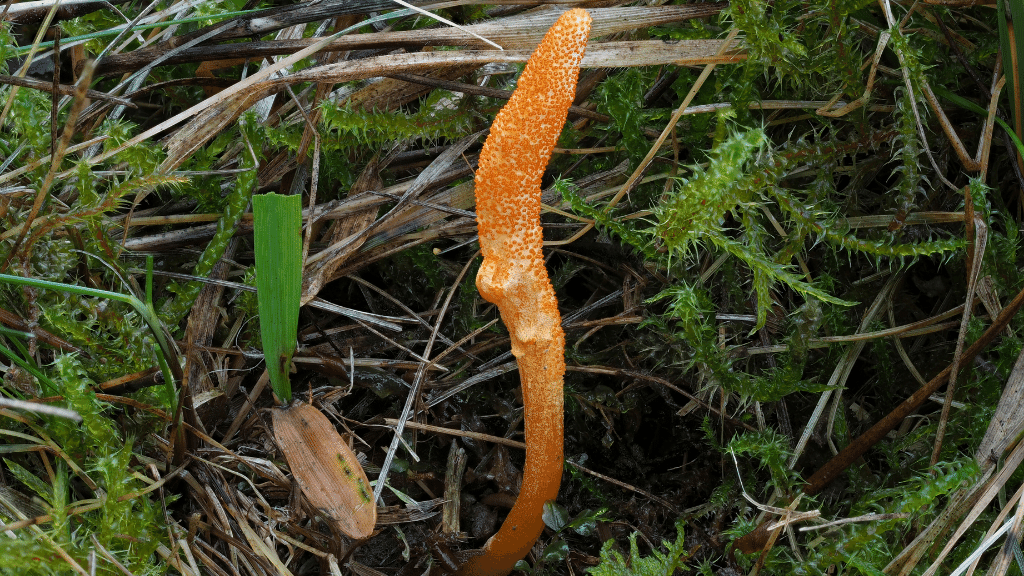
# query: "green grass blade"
1011 41
278 238
964 103
80 290
145 310
118 29
30 368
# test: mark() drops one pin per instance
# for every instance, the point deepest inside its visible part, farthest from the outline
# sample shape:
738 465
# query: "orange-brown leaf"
326 469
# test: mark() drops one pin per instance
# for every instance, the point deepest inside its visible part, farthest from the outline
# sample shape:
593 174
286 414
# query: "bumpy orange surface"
514 278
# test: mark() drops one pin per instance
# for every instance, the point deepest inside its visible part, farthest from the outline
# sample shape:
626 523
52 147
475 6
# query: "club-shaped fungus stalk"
514 278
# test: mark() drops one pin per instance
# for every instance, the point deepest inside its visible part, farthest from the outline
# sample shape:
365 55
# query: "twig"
977 237
58 156
40 409
474 90
863 518
522 446
415 388
840 462
985 90
843 369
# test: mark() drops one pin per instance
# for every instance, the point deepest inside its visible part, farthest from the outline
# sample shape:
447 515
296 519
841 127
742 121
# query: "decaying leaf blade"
325 468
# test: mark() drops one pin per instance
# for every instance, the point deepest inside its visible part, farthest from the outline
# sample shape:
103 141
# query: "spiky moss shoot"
699 204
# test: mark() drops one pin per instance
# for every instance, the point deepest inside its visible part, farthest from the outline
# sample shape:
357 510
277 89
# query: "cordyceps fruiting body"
514 278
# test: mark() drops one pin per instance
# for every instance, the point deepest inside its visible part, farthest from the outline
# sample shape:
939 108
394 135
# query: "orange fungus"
514 278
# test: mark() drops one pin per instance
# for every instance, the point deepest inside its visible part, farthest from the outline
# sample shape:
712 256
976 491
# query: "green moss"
235 205
127 525
621 97
142 158
29 121
657 564
435 118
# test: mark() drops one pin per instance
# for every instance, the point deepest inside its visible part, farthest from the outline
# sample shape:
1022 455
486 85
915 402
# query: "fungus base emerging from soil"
514 278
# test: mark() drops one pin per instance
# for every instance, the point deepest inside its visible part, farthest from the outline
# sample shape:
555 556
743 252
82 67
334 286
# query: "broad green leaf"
278 239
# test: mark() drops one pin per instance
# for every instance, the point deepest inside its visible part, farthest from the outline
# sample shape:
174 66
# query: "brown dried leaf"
326 469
